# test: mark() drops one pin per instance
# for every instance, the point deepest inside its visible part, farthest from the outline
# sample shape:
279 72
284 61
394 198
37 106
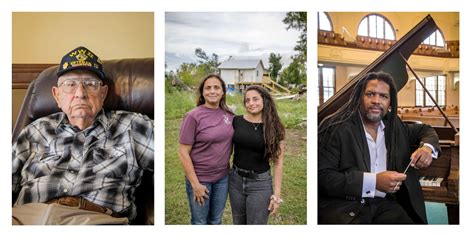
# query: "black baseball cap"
81 58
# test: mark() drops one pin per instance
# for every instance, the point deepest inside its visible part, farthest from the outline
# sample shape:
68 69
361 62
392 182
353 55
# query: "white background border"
159 7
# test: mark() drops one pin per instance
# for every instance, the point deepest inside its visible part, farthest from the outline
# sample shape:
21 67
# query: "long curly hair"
273 129
222 102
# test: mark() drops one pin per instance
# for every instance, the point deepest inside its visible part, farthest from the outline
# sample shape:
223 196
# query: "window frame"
435 45
386 20
329 19
436 95
321 86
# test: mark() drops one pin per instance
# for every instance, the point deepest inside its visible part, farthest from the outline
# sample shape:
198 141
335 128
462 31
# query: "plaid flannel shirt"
103 163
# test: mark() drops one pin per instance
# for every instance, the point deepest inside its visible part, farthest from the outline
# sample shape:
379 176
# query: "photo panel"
83 110
215 142
363 139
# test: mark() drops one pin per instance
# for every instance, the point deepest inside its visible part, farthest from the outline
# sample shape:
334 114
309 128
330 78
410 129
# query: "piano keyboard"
430 181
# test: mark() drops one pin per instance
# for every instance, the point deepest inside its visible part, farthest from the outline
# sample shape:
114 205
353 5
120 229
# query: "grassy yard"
293 114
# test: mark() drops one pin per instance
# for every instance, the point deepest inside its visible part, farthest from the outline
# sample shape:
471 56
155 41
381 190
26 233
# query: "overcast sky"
236 34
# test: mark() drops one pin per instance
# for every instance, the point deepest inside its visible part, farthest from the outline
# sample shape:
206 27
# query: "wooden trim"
24 74
369 43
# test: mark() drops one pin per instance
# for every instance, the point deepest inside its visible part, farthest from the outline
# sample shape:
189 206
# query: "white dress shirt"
378 161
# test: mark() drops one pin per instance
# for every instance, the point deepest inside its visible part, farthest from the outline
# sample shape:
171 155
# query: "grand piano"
445 169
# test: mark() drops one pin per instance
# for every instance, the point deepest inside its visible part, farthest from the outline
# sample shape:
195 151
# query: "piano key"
430 181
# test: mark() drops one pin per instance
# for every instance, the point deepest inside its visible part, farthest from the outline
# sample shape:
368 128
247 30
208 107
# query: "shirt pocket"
43 163
110 162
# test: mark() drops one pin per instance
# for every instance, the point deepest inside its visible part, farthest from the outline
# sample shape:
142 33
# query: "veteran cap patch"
81 58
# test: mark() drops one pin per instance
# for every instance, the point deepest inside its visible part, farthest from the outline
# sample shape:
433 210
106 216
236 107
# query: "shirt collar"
101 118
380 130
381 126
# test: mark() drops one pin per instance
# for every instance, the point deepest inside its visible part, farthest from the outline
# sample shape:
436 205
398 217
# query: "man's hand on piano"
422 157
388 181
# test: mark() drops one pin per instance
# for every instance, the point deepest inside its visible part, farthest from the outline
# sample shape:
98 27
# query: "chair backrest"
130 83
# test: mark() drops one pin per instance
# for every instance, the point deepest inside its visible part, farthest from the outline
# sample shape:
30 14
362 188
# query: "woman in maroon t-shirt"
204 150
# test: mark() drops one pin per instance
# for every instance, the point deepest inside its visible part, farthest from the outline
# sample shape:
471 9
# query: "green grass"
178 103
292 113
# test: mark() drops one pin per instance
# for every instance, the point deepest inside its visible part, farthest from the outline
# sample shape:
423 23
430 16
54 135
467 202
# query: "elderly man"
366 169
81 165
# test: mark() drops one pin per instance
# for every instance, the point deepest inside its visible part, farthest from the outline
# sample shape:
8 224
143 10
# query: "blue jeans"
213 209
249 198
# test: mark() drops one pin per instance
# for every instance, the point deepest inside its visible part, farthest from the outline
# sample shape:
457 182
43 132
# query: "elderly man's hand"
422 158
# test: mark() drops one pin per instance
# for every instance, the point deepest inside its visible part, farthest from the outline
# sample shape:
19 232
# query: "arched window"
435 39
376 26
324 21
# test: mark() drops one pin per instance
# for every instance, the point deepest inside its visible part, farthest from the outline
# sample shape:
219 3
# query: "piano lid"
389 62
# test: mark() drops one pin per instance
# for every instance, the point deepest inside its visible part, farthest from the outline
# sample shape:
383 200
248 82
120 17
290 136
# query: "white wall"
249 75
228 76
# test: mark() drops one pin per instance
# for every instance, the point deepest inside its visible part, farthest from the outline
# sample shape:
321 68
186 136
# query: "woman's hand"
200 191
200 194
274 204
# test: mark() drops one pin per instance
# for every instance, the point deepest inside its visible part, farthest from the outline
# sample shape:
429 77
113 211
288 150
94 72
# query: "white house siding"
249 75
235 75
228 76
260 70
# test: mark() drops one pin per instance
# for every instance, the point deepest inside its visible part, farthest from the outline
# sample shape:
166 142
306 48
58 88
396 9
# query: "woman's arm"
200 191
276 200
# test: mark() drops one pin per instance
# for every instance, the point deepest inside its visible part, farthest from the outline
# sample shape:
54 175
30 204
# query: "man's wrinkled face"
80 94
375 100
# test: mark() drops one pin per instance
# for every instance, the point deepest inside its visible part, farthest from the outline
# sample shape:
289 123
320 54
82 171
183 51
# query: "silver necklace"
255 127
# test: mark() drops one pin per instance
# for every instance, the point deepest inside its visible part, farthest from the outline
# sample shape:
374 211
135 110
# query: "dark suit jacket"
343 157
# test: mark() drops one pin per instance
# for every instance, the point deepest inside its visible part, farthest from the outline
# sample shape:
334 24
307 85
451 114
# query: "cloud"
240 34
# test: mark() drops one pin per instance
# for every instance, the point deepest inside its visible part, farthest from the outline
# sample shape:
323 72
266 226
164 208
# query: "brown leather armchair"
130 83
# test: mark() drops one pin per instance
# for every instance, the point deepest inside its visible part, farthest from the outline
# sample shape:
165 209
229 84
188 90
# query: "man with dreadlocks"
364 149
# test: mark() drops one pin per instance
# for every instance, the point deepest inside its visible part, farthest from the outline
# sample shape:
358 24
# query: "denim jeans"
249 198
213 209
